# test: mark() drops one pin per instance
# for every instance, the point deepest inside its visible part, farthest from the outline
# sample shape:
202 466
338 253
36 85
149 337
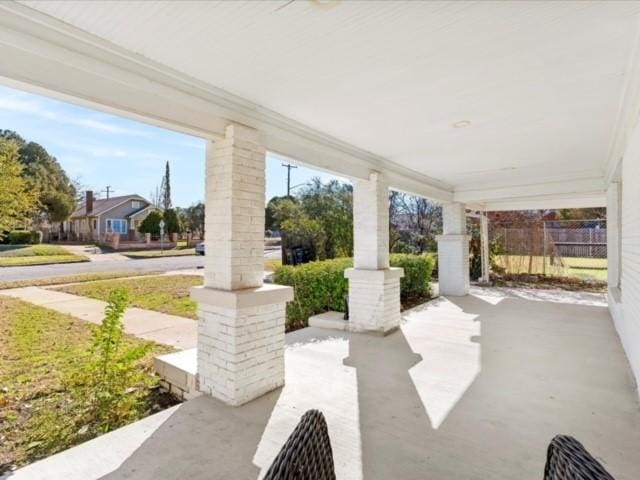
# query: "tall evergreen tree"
166 188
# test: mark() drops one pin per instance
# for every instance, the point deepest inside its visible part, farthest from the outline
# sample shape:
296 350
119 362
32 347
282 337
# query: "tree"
414 223
295 222
192 217
172 222
165 188
54 191
151 224
331 206
17 201
270 220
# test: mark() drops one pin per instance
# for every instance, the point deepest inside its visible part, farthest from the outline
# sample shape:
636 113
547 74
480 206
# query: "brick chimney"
89 201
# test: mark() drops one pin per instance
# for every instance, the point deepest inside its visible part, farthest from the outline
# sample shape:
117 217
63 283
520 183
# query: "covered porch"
468 387
501 106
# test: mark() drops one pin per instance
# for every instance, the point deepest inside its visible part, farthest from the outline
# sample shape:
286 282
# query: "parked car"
200 248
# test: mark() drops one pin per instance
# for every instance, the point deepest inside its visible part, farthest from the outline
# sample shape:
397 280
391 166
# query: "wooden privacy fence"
550 247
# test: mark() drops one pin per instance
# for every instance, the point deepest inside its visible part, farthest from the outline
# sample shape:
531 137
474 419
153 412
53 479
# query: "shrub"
172 221
24 237
151 223
318 287
417 273
112 384
321 286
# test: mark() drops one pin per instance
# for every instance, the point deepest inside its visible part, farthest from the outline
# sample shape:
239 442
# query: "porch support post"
241 321
613 234
453 251
374 288
484 246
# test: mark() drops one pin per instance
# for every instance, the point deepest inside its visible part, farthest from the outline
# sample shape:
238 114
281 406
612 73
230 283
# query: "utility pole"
108 189
288 166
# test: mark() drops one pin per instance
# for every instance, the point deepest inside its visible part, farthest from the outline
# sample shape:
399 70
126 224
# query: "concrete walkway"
179 332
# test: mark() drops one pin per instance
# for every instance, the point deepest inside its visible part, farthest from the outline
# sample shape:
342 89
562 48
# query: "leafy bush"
151 223
417 273
172 221
318 287
24 237
321 286
112 370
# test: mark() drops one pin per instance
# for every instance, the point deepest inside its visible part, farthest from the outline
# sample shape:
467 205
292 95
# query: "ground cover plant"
163 293
17 255
63 381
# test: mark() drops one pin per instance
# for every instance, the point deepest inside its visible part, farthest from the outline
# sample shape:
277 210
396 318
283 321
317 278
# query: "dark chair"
567 459
306 455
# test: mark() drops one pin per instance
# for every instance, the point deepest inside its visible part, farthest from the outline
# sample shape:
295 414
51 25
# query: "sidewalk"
179 332
96 254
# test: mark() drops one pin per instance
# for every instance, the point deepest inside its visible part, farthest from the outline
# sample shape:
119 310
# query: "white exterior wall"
624 302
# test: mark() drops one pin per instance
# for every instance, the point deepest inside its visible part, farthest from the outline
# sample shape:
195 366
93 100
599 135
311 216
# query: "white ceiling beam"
545 203
46 56
561 189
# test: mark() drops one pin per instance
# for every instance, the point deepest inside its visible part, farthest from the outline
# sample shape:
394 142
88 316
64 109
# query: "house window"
116 225
135 204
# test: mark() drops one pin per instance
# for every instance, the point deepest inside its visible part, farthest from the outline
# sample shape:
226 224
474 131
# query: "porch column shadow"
204 438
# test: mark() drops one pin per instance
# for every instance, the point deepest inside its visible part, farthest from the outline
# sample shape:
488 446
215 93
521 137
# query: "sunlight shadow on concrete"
446 338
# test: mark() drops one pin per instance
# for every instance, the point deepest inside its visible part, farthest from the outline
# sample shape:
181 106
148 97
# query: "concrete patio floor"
470 387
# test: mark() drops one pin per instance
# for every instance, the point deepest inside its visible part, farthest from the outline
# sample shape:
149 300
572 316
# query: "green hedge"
417 274
321 286
23 237
318 287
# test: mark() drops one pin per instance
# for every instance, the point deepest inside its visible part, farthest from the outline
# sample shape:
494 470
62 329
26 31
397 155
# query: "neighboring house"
97 219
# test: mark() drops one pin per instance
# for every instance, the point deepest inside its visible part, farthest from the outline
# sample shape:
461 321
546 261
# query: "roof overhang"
45 55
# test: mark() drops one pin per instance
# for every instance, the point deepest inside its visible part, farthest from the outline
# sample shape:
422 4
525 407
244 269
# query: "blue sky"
101 149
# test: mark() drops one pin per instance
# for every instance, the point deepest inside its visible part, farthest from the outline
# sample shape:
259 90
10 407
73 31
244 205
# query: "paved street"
115 263
127 265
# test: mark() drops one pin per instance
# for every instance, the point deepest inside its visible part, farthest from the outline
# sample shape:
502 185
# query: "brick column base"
453 265
374 299
241 341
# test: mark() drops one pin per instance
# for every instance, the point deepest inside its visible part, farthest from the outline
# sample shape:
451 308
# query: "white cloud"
18 103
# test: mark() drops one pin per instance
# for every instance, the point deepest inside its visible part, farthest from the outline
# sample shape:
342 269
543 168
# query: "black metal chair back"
307 454
567 459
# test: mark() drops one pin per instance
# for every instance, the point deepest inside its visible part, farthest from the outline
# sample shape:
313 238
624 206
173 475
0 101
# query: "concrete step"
178 373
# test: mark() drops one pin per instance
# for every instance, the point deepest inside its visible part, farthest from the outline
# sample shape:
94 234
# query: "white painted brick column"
453 251
241 321
613 234
374 288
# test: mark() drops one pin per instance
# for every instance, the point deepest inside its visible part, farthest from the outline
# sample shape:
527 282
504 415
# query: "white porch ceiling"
541 83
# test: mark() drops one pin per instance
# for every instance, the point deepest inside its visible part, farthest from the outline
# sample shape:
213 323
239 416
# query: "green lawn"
40 350
583 268
19 255
175 252
164 293
78 278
